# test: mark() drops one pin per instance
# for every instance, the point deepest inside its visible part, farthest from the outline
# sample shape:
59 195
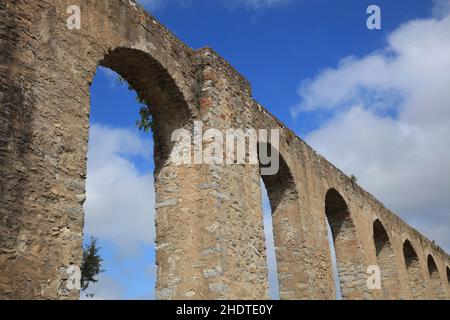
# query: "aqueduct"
210 240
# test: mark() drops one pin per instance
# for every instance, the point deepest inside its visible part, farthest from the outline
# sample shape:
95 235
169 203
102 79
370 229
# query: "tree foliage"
145 122
91 265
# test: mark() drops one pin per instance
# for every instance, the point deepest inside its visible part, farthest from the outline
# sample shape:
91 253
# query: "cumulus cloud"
111 76
390 121
441 8
120 199
106 288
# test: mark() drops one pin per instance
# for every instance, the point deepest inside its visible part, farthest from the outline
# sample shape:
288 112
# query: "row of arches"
283 195
346 242
349 265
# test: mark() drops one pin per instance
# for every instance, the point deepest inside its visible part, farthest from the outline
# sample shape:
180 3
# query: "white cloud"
441 8
390 121
106 288
112 76
120 199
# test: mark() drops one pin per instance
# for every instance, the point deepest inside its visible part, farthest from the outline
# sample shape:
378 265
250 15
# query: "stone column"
212 244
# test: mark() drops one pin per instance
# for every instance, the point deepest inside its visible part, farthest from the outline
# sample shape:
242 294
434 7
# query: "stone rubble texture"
210 237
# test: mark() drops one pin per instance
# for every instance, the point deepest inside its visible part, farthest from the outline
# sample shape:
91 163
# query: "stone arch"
351 272
436 283
281 187
284 202
386 261
415 276
44 96
116 34
158 90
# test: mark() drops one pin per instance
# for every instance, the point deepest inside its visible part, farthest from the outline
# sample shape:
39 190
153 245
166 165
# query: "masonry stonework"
210 238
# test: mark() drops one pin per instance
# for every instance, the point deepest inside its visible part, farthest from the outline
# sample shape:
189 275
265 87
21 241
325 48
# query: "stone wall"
210 239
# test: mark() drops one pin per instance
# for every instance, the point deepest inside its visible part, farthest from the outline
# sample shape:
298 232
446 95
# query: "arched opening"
448 276
123 167
386 261
156 89
350 270
436 283
415 277
274 290
283 199
337 284
280 186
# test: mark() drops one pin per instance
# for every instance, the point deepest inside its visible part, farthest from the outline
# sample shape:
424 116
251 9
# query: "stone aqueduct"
210 240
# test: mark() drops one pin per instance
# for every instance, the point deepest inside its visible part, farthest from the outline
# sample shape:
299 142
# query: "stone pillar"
294 260
289 246
211 238
42 180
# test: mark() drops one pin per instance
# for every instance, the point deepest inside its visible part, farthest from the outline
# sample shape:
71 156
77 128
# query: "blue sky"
384 117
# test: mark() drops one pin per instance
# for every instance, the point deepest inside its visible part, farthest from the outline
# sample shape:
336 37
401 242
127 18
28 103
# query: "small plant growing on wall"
91 266
145 122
